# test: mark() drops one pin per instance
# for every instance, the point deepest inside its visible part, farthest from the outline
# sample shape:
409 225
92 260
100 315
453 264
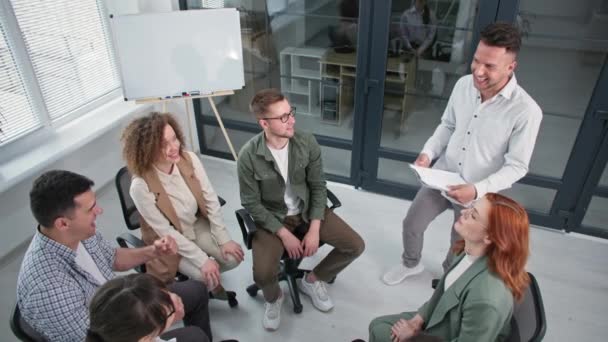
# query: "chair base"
289 272
232 301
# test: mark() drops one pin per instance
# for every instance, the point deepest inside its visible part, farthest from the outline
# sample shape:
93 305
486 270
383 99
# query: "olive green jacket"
477 307
262 187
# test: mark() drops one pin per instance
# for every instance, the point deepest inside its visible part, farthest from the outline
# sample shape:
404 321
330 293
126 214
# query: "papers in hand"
436 179
439 180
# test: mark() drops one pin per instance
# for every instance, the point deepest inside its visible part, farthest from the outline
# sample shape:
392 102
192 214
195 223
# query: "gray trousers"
427 205
195 297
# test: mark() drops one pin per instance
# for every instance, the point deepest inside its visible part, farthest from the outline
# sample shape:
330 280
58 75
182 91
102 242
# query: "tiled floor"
572 272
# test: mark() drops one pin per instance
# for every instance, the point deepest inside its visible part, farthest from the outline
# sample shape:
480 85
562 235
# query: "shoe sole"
401 280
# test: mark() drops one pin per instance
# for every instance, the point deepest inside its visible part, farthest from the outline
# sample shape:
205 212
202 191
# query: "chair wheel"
297 309
252 290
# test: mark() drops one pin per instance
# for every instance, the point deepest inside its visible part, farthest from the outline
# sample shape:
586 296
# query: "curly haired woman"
174 196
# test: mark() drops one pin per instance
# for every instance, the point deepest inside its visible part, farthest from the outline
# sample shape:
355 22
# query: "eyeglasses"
285 117
171 312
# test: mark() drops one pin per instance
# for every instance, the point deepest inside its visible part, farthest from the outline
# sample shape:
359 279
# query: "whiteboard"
166 54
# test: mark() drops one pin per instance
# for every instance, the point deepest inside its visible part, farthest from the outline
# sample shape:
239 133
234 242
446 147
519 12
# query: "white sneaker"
272 314
318 293
398 273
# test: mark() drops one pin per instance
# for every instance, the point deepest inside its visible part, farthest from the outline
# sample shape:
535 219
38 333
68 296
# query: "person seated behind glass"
418 29
474 299
174 196
344 36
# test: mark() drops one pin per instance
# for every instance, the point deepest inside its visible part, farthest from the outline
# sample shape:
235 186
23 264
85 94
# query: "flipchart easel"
188 102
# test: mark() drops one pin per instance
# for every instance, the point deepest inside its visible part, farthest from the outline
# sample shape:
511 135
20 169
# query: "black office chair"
131 216
22 330
529 323
289 270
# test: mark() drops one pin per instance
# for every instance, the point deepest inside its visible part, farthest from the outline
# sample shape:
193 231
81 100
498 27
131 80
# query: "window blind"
69 48
16 111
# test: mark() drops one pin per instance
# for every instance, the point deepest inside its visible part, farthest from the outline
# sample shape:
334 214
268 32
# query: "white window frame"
48 128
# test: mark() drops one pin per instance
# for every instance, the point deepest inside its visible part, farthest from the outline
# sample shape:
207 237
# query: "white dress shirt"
185 206
490 144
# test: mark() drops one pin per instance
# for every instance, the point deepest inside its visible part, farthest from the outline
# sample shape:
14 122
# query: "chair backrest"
129 211
529 322
21 329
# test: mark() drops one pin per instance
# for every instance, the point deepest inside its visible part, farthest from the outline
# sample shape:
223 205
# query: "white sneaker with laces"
272 314
398 273
317 291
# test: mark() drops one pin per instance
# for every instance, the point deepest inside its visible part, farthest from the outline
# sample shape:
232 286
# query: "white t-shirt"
458 270
281 157
86 262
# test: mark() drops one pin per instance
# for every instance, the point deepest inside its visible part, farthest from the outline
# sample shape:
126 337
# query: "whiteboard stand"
187 101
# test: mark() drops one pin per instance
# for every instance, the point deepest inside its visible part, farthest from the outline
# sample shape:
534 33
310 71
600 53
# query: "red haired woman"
474 298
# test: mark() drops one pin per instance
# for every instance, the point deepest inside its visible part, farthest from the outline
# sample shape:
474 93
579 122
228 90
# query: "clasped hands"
403 329
297 249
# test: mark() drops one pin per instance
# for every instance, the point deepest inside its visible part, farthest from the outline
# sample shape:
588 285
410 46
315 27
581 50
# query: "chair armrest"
127 240
333 199
247 224
222 201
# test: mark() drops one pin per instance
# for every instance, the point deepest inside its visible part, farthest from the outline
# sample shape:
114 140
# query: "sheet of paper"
437 179
453 200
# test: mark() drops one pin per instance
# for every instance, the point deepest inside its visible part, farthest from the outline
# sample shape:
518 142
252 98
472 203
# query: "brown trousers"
268 250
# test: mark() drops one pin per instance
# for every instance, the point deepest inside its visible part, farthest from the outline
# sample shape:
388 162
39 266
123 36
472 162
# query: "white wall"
99 159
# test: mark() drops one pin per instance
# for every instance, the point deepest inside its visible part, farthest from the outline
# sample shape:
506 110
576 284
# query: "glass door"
308 50
428 48
561 65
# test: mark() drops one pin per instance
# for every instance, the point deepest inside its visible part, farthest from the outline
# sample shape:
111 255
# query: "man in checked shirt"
68 260
487 134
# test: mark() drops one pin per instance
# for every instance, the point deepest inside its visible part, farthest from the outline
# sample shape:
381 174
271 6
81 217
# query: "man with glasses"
282 186
487 134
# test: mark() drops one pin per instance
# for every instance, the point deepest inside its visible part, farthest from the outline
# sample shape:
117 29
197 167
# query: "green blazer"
477 307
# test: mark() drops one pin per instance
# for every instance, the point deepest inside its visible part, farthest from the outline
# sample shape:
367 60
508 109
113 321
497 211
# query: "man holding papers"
486 135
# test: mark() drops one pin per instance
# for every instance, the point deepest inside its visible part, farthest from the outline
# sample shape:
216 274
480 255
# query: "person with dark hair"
68 260
174 197
282 186
418 28
487 134
474 299
136 307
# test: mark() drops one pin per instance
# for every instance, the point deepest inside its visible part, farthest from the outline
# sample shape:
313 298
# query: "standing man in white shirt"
487 134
